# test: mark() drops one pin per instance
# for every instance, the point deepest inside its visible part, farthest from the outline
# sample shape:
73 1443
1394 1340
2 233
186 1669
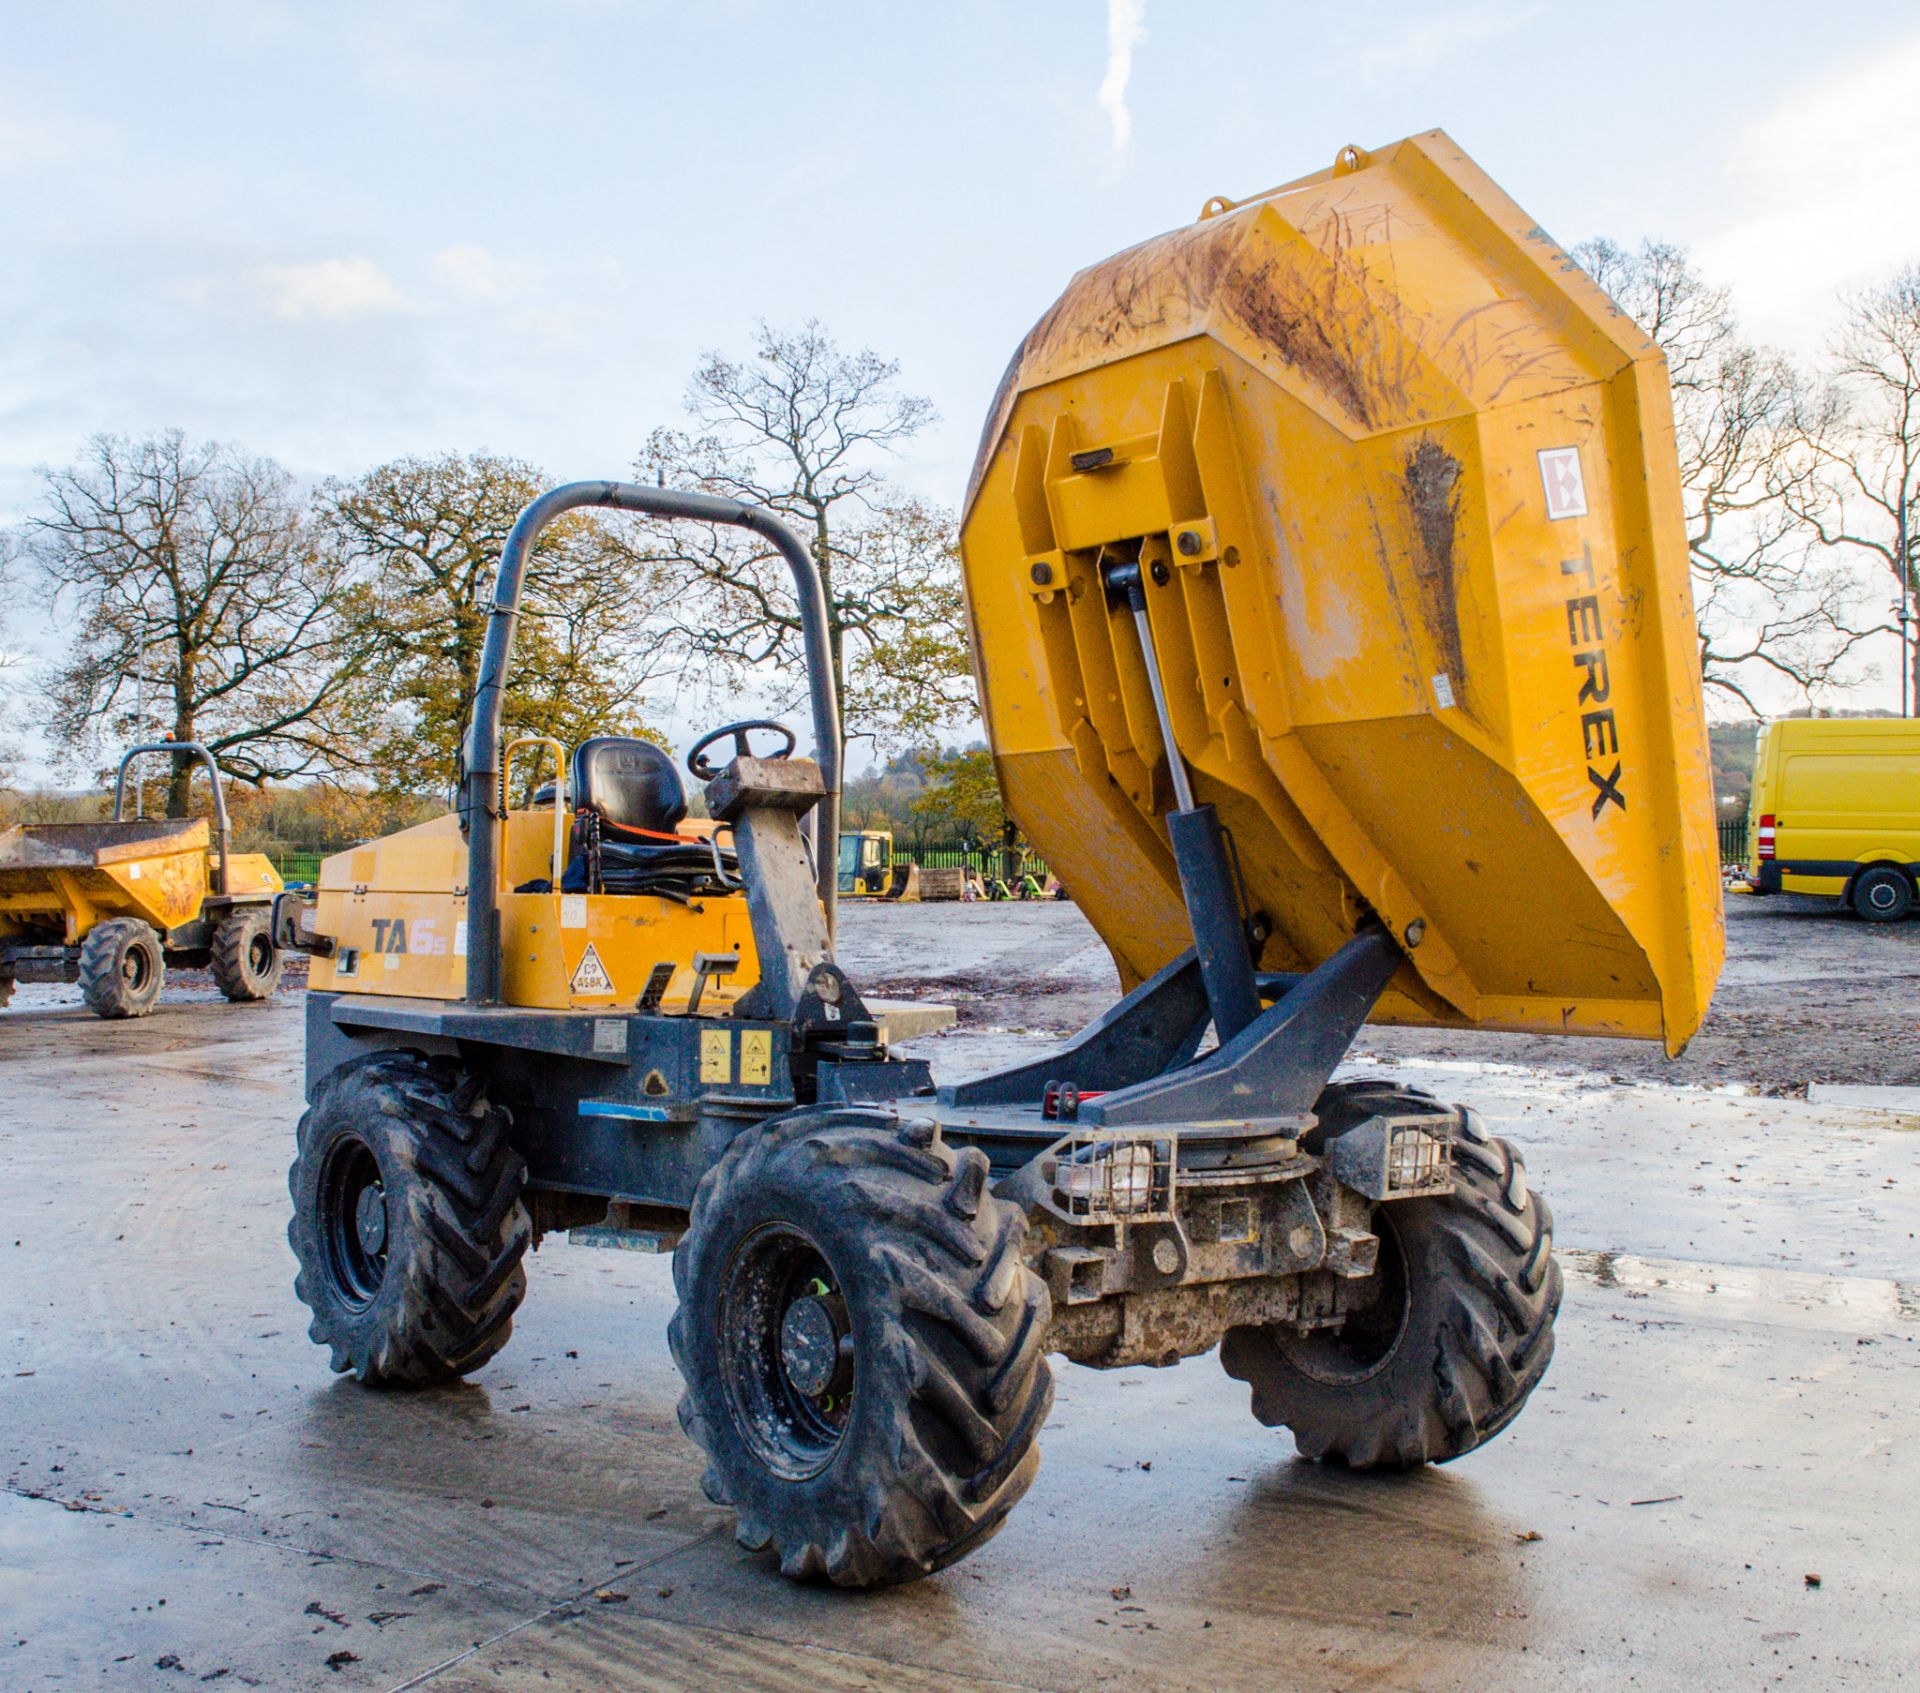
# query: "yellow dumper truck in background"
1836 812
1327 585
110 905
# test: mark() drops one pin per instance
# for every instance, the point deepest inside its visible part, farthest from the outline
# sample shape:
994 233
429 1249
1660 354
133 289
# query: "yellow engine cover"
397 911
1404 484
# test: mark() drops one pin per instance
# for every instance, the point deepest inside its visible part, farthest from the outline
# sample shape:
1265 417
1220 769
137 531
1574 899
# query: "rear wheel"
1883 894
245 962
1456 1331
861 1344
122 968
407 1221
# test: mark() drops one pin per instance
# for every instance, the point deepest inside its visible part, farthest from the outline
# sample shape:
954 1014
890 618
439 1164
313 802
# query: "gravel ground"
1809 994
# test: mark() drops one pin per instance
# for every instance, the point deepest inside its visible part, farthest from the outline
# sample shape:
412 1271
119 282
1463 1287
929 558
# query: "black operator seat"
628 802
628 784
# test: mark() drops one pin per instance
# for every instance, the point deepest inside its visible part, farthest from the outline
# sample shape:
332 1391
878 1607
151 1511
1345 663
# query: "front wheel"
1457 1331
407 1222
122 968
861 1344
245 962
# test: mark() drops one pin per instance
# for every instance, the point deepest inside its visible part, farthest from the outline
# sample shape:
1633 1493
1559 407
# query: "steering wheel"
705 770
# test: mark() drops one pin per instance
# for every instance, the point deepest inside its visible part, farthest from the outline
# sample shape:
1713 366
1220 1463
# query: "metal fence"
1733 840
298 866
988 861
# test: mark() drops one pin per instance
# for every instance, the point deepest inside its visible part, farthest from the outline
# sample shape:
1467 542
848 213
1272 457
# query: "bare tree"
10 664
424 537
1862 504
1767 601
805 428
192 582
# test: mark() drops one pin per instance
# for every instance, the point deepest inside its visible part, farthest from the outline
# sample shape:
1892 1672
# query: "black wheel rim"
353 1222
787 1357
135 968
1364 1344
259 957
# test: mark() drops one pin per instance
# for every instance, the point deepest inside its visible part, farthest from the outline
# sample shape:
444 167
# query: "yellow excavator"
867 868
1328 586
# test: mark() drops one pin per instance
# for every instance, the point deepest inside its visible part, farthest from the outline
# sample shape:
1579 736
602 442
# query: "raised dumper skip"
1272 631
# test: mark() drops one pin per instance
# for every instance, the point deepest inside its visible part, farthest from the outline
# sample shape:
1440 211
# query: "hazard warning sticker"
1565 486
590 977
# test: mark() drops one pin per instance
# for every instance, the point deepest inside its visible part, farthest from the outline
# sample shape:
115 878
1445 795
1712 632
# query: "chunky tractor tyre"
407 1221
122 968
246 963
862 1346
1883 894
1461 1330
6 988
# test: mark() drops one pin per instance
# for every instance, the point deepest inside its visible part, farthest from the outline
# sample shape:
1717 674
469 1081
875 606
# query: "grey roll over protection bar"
480 802
203 755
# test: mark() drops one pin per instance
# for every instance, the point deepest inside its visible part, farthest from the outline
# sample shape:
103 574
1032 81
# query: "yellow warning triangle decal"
591 976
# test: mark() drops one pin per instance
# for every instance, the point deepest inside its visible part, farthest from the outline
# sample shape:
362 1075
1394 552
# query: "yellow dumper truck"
1328 592
111 905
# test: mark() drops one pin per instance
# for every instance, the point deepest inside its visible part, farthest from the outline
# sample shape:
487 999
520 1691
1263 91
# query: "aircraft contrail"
1126 29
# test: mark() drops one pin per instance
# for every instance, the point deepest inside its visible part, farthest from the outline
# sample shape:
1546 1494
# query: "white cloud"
335 289
482 275
1822 186
1126 29
1419 48
328 290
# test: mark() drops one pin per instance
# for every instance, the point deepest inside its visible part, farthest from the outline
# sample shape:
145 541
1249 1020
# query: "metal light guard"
1112 1176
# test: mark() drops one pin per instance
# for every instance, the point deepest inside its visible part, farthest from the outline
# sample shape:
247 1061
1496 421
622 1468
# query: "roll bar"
200 752
480 803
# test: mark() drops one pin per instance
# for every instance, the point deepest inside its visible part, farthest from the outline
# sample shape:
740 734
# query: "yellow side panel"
253 873
397 911
598 950
166 890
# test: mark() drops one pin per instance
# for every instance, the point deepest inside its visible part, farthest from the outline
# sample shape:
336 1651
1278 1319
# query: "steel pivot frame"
200 751
480 803
1138 1058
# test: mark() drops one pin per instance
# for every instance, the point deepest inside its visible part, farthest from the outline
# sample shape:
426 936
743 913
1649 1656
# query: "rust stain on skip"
1431 481
1327 317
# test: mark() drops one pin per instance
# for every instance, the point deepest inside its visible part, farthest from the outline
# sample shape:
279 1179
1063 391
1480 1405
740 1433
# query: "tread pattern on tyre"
101 984
454 1273
227 957
949 1403
1479 1334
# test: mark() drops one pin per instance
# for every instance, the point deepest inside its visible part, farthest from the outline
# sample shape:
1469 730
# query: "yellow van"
1836 811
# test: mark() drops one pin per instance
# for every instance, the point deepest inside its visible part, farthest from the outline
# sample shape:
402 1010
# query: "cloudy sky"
340 232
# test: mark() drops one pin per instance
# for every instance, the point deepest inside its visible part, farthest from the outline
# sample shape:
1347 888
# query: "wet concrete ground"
190 1498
